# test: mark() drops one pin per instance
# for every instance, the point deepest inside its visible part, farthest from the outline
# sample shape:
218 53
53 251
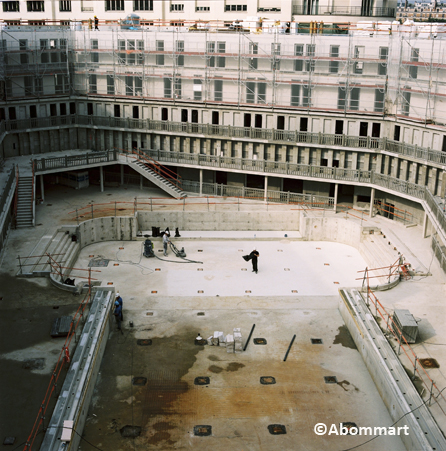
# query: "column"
141 180
42 191
201 182
122 174
335 196
425 225
372 201
266 188
101 175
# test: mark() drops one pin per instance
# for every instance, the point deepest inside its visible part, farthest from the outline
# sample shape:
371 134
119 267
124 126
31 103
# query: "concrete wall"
107 229
219 220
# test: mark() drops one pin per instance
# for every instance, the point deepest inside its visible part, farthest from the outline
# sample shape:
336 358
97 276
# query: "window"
253 50
379 101
129 86
65 5
131 56
250 92
35 6
140 54
138 86
61 84
72 108
295 95
261 92
210 48
354 99
94 55
33 111
110 85
23 44
203 8
397 133
38 86
255 92
160 58
11 7
114 5
298 63
221 48
303 124
218 90
164 114
93 84
179 47
117 109
44 57
178 7
142 5
29 90
198 86
359 54
405 107
167 88
306 95
310 63
341 97
63 109
382 67
413 70
236 8
135 112
334 65
275 51
177 87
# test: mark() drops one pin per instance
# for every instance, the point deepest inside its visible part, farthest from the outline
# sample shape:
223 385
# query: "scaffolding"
400 74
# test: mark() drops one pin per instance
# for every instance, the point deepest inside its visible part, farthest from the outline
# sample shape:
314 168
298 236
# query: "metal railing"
228 131
344 11
73 161
5 206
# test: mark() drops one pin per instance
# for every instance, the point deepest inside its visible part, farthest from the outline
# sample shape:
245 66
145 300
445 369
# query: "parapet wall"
220 220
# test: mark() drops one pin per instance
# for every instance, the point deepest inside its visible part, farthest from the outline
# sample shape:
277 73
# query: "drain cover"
330 379
202 380
202 430
276 429
316 341
9 441
200 314
260 341
349 425
98 262
34 364
130 431
139 380
144 342
429 363
267 380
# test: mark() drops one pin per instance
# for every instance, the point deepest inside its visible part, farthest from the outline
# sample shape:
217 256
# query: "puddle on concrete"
214 358
344 338
215 369
234 366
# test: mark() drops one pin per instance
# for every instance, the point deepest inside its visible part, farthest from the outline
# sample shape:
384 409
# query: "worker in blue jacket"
118 313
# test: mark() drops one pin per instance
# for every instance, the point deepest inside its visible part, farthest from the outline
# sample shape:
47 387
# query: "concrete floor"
235 404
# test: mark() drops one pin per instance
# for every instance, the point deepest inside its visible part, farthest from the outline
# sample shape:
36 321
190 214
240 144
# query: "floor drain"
316 341
154 291
318 248
330 379
139 381
202 380
199 269
259 341
55 307
100 262
336 283
326 264
201 342
279 250
349 425
115 264
149 314
121 248
244 269
429 363
157 269
267 380
109 283
293 291
9 441
200 314
286 269
144 342
276 429
247 291
130 431
200 291
202 430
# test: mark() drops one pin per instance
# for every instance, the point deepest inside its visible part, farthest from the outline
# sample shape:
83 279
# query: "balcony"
344 11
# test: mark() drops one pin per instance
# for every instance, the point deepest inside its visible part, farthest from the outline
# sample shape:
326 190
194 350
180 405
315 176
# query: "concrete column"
122 174
201 182
354 160
413 174
342 159
372 201
335 197
386 164
266 188
141 181
425 225
432 180
443 184
101 175
330 158
42 191
379 162
366 162
403 170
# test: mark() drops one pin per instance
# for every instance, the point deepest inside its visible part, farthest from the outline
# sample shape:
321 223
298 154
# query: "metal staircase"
25 202
159 175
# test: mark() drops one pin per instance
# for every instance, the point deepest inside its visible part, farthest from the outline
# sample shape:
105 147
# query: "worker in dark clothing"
118 313
253 256
96 23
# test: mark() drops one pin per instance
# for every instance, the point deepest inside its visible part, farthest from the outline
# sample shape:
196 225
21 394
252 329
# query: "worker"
166 241
96 23
118 313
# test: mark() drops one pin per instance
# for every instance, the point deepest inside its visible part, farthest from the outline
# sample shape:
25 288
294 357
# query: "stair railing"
16 196
33 191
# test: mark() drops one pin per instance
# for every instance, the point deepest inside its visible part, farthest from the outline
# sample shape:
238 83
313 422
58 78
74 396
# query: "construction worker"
96 23
166 241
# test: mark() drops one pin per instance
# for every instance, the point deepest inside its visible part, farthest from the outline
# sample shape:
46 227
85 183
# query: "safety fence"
390 327
390 211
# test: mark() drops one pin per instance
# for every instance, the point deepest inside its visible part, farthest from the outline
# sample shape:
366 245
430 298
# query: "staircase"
157 179
25 202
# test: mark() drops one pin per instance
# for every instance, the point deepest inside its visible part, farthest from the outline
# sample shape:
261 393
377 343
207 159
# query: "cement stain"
344 338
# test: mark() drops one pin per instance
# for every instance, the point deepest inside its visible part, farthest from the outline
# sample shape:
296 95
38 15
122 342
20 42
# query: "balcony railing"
227 131
344 11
